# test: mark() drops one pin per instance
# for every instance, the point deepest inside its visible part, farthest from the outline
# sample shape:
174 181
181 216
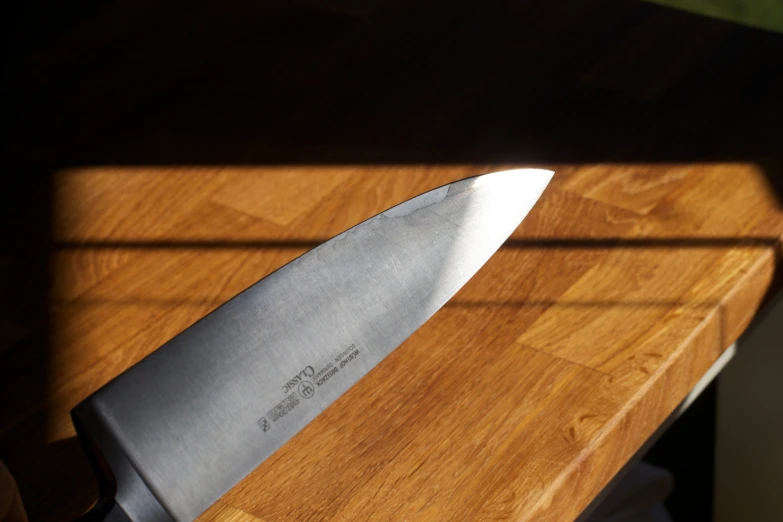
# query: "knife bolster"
124 495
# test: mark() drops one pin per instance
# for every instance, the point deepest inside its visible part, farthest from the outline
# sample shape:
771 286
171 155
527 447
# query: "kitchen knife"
173 433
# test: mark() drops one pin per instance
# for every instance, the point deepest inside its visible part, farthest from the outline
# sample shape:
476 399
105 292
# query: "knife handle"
106 510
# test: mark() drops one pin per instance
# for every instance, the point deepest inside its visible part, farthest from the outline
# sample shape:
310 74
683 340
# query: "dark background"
238 82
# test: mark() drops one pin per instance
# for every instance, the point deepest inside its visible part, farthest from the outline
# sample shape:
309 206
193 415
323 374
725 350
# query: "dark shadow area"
24 284
188 83
687 450
347 82
57 475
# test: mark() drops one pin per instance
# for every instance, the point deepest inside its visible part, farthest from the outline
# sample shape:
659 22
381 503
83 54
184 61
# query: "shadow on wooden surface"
554 243
183 83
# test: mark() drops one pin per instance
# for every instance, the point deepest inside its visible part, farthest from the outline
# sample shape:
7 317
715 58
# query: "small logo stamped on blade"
264 424
308 372
306 389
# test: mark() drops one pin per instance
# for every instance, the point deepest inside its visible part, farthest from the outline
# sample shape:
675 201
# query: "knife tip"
525 178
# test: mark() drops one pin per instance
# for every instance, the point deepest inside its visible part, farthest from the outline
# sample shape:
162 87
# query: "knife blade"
172 434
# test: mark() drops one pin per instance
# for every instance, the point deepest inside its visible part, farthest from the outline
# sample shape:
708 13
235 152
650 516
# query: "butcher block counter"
519 400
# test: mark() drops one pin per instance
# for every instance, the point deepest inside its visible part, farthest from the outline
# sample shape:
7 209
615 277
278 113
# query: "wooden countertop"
519 400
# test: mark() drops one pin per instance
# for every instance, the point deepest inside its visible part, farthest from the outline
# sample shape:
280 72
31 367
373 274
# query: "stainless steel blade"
184 425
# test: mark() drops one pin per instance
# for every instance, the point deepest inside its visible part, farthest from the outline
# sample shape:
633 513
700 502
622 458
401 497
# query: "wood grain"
519 400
